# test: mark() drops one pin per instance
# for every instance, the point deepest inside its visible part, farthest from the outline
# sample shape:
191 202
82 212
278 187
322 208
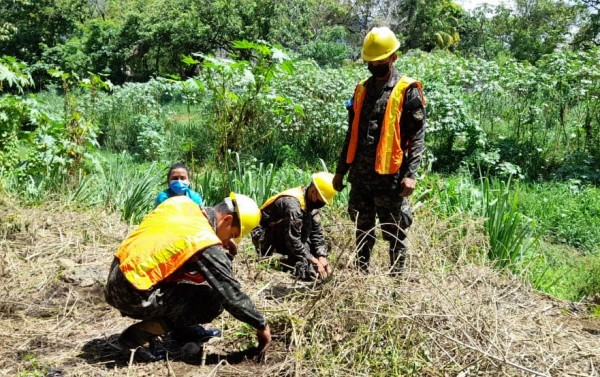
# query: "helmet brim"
369 58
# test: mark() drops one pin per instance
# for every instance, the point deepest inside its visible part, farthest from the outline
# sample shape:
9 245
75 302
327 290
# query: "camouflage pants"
395 216
176 305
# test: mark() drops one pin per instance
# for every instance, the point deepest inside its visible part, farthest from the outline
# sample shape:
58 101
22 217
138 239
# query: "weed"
35 369
511 239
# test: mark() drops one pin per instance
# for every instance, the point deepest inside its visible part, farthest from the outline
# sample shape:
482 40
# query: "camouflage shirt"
412 135
212 263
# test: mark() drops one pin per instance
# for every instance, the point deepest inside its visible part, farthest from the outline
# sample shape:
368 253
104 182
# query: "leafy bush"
506 117
317 131
581 167
330 48
118 112
453 136
40 148
14 74
548 108
527 158
242 95
150 138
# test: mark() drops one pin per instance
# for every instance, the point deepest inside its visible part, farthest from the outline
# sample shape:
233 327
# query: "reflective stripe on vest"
389 151
167 237
296 192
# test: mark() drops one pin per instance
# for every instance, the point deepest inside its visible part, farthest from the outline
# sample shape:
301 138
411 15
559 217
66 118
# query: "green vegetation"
99 98
533 229
252 122
34 369
569 212
511 239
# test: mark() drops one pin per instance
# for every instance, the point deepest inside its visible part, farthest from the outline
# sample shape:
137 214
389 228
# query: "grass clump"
509 231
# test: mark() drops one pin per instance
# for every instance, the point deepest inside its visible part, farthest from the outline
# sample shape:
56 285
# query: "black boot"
140 337
196 333
397 259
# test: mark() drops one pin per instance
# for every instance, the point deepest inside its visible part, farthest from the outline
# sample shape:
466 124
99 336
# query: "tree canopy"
134 40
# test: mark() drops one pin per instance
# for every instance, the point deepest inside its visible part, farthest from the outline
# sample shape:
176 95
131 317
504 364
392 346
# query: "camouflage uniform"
177 303
373 194
287 229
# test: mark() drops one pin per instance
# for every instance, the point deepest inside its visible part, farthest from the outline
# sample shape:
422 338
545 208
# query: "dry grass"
449 315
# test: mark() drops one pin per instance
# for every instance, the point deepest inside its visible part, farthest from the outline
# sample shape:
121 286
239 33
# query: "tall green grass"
117 182
120 184
511 234
249 177
545 232
255 179
34 189
570 253
209 185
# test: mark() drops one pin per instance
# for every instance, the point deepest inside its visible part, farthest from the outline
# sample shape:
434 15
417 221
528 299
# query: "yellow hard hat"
247 211
379 43
324 183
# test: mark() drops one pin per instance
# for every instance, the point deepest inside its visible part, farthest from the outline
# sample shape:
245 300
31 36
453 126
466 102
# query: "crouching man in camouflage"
172 273
291 225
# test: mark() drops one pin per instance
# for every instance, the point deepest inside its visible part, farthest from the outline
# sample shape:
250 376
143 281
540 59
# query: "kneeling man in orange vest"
173 273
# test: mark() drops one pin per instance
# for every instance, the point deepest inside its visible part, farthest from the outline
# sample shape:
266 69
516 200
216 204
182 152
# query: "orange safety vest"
296 192
167 237
389 151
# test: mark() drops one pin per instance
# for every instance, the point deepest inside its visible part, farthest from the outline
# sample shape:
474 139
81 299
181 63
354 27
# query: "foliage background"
100 98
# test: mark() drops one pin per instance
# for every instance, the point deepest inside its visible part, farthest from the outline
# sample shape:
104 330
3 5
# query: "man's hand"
407 186
338 182
326 265
321 269
264 342
232 247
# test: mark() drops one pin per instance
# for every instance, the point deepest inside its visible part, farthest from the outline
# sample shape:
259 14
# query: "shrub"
330 48
581 167
150 138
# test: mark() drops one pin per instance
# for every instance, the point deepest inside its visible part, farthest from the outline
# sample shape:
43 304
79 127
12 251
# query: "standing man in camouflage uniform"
291 225
382 150
172 273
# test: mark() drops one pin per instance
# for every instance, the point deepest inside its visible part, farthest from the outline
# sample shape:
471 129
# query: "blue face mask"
179 187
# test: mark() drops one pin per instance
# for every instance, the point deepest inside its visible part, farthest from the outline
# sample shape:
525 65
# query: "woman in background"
178 180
